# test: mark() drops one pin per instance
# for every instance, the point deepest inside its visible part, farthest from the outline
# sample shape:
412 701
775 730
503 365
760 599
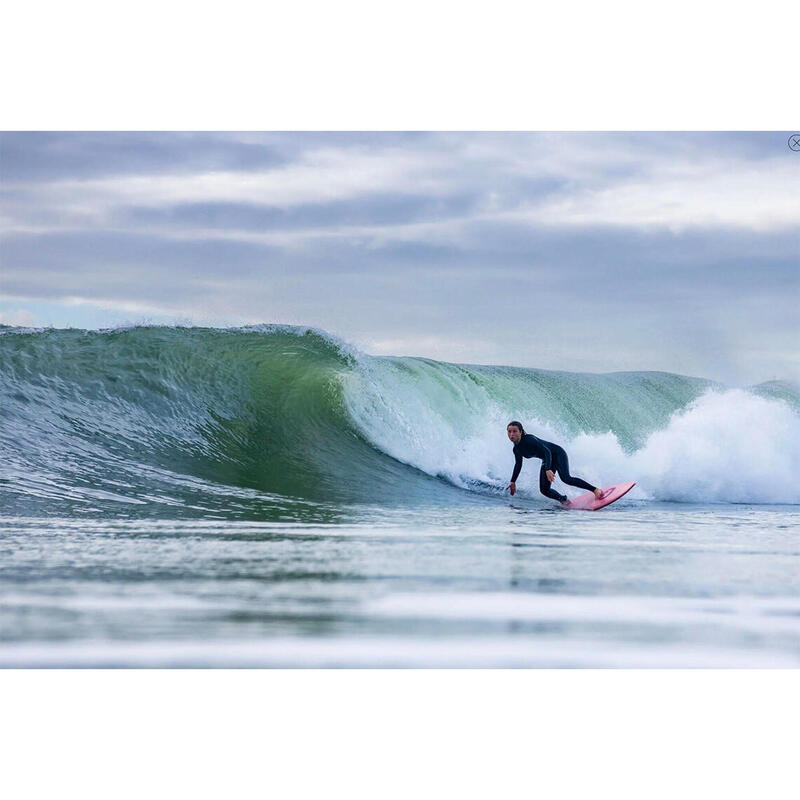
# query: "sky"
592 252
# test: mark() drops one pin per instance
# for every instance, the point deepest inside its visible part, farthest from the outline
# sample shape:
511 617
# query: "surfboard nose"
608 495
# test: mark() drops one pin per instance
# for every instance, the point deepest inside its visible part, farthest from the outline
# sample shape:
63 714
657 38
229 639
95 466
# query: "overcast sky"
586 252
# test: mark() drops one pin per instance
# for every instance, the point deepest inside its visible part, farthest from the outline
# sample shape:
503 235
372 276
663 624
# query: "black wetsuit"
553 457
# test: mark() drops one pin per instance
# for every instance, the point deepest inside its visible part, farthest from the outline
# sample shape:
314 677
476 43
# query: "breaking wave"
146 419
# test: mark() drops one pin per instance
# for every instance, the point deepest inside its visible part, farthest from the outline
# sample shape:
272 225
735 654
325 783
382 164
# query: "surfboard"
588 502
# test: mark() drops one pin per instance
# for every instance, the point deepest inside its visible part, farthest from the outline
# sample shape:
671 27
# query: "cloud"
688 195
422 188
318 176
20 317
61 156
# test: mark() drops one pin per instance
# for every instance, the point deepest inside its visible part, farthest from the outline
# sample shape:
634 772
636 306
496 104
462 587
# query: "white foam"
729 446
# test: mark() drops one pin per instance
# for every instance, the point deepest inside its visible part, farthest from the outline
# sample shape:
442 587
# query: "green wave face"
169 415
280 422
787 391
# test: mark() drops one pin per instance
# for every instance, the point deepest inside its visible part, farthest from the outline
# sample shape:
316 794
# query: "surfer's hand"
551 476
512 487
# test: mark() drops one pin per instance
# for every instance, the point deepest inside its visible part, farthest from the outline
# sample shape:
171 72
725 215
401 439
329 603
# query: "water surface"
270 496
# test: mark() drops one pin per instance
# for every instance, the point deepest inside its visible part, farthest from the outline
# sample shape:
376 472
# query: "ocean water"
271 497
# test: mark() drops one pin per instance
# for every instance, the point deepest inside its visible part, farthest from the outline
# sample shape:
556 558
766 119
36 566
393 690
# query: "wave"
154 420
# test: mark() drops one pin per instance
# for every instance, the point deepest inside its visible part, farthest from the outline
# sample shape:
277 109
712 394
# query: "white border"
419 65
422 64
400 734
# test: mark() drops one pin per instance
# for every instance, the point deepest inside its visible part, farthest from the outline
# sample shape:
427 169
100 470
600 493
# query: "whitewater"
272 496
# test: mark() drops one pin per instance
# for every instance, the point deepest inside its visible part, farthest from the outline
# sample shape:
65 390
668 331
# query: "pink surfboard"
588 502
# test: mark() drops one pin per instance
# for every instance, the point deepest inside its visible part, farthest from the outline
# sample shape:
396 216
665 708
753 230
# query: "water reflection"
427 576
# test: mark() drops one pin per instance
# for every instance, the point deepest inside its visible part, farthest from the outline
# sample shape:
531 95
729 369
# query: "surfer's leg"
561 466
545 487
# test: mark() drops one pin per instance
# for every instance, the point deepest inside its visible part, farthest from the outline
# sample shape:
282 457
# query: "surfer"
554 459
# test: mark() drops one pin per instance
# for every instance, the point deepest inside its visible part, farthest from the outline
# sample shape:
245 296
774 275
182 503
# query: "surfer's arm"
547 462
517 467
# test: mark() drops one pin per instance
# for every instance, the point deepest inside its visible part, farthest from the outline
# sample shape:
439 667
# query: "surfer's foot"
598 494
564 500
